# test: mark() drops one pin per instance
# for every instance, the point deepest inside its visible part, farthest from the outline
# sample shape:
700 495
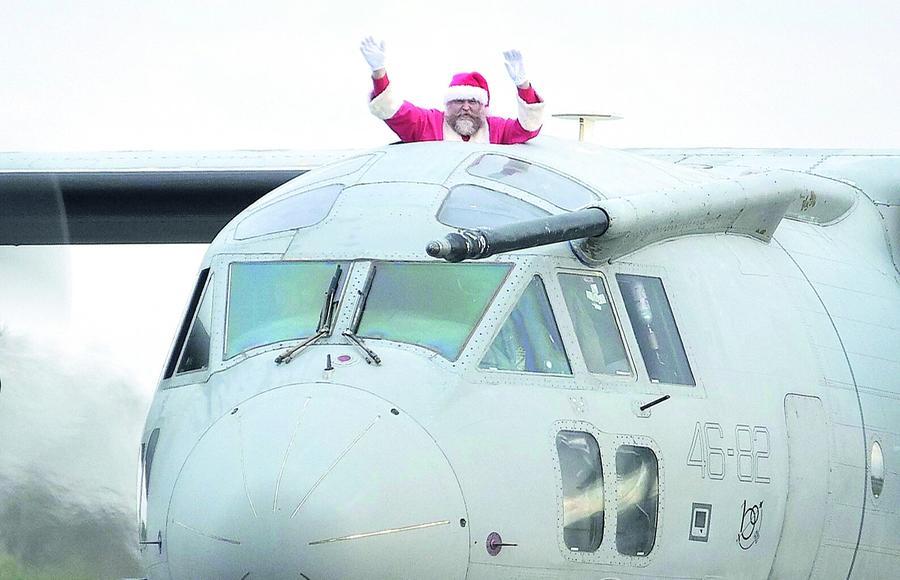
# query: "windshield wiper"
350 332
326 320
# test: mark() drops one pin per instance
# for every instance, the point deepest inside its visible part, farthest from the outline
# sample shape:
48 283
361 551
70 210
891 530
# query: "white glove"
373 52
515 67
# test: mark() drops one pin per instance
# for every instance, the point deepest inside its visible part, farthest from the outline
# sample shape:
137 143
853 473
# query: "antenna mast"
586 120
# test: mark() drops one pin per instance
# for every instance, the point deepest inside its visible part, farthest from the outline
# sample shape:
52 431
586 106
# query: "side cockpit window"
583 503
655 330
637 479
196 350
587 300
529 340
191 351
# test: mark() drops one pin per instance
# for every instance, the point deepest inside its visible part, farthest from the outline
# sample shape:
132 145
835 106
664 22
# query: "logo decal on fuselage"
751 522
596 298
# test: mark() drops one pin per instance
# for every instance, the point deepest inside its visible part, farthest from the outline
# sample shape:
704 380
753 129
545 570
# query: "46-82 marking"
750 452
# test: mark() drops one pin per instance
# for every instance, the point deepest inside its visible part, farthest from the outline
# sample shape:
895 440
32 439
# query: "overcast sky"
189 74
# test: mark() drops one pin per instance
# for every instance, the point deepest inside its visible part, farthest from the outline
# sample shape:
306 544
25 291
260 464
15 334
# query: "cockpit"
275 291
435 309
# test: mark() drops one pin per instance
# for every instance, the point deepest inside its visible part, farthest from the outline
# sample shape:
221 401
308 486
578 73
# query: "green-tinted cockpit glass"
433 305
270 302
529 340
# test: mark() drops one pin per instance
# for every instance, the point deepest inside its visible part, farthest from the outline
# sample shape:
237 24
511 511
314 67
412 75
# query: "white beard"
466 126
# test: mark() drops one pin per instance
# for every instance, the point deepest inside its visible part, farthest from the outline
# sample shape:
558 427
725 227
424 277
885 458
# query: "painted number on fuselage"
750 452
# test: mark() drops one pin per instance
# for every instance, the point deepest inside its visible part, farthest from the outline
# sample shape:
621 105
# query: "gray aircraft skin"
507 417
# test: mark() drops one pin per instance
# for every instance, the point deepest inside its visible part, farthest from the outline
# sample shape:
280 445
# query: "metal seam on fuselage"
211 536
333 465
244 467
287 453
381 532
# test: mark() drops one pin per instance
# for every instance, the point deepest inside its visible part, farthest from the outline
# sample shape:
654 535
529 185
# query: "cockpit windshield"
270 302
429 304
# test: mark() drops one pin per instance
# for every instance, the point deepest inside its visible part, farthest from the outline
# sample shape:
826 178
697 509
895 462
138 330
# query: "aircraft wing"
183 197
136 197
874 172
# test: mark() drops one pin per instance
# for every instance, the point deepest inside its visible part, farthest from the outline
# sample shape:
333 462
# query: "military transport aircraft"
551 360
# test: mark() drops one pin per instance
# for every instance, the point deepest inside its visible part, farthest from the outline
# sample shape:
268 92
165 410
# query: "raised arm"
530 106
409 122
373 52
381 102
516 68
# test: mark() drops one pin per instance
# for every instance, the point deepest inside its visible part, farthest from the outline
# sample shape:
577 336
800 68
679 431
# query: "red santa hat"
470 85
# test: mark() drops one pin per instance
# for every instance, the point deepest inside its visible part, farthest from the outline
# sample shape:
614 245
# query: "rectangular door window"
582 487
637 476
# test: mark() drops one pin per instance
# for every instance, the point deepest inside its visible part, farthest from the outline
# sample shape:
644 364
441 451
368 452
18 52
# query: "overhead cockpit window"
638 500
271 302
595 324
470 206
582 490
529 340
433 305
655 329
299 210
191 350
336 169
551 186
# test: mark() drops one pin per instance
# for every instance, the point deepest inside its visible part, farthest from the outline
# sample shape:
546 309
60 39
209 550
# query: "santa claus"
465 117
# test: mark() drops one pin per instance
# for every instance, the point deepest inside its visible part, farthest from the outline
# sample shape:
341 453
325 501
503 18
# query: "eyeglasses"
461 102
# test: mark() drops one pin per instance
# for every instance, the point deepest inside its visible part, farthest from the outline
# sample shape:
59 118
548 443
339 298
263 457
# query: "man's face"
465 116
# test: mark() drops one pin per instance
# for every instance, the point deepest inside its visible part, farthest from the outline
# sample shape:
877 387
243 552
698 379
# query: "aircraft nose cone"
316 481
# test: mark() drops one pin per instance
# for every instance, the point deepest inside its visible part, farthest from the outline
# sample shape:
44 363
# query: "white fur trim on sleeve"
385 106
464 93
531 115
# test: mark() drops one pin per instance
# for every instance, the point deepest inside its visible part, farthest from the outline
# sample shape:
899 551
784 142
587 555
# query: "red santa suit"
412 123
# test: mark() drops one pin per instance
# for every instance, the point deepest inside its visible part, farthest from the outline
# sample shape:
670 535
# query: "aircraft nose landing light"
316 480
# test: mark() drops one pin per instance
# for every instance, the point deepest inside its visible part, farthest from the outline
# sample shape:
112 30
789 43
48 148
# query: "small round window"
876 465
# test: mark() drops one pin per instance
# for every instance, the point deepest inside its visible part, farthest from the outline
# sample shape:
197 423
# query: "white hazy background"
188 74
84 330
